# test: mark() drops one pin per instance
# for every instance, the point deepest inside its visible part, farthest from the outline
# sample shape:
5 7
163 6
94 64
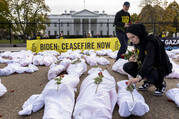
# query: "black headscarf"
138 30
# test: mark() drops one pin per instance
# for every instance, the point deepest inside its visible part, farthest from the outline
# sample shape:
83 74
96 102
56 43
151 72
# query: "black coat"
152 55
121 18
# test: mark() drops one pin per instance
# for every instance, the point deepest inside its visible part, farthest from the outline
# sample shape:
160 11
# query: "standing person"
151 63
121 22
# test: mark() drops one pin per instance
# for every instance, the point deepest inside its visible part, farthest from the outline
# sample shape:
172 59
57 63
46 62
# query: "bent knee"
126 67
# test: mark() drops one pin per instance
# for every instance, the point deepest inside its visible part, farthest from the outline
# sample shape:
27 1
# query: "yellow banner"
62 45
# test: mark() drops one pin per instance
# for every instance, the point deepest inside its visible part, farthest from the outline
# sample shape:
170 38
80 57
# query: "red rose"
100 73
126 83
122 56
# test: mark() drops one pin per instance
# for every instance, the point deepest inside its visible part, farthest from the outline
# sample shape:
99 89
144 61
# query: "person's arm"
148 60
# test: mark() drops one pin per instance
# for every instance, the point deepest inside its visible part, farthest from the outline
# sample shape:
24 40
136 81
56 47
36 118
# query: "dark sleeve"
118 20
129 19
148 60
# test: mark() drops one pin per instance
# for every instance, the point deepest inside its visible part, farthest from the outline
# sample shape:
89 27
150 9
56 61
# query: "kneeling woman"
151 63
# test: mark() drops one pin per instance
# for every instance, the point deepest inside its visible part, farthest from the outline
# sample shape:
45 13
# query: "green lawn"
13 41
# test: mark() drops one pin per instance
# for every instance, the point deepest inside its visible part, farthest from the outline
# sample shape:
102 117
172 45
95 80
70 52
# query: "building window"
55 32
48 33
55 25
101 32
61 24
68 33
67 24
48 25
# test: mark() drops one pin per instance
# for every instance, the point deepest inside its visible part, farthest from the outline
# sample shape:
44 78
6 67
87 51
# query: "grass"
13 41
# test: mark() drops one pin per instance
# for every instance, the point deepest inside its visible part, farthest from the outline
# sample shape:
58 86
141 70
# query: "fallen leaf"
169 100
12 91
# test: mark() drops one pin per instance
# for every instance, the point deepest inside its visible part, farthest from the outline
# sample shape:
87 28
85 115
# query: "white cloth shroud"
33 104
173 94
175 70
93 60
78 68
3 89
127 106
55 69
103 52
102 61
92 104
16 67
70 54
118 66
113 55
58 99
46 60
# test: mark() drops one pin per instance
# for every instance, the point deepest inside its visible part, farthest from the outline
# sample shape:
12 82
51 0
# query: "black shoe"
145 86
160 91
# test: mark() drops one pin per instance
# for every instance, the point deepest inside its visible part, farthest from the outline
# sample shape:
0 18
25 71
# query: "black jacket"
152 55
152 52
121 18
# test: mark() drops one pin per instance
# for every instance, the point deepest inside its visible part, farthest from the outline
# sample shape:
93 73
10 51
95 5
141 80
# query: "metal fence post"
10 38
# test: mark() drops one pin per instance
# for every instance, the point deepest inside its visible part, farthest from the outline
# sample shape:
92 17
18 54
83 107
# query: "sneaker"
160 92
145 86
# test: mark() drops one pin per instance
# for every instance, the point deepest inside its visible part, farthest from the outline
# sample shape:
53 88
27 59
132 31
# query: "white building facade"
81 23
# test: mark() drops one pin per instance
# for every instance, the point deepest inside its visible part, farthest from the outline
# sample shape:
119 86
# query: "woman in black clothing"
151 63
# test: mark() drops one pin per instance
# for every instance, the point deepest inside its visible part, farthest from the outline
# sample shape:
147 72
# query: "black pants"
154 76
123 42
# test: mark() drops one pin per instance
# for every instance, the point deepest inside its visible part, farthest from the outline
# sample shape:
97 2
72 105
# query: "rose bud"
126 83
100 73
62 75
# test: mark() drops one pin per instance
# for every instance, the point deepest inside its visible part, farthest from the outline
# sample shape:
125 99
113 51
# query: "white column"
97 28
72 27
81 27
89 26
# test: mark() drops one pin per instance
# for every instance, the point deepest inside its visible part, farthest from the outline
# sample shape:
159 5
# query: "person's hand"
133 80
126 25
132 59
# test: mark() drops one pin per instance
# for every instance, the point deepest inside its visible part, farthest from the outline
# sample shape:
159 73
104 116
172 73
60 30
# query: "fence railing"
14 33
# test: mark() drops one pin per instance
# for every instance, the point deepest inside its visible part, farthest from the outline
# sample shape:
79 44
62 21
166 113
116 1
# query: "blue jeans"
123 42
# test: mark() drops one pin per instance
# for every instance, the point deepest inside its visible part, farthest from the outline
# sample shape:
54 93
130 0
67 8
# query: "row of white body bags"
96 101
130 103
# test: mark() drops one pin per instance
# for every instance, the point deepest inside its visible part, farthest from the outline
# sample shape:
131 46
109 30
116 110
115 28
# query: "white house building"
81 23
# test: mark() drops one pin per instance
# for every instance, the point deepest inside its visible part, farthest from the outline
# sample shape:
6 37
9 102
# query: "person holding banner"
150 61
121 22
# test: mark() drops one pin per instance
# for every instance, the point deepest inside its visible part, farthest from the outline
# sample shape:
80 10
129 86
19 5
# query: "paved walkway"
2 49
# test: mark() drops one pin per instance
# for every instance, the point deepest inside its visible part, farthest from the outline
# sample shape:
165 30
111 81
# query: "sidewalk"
13 49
